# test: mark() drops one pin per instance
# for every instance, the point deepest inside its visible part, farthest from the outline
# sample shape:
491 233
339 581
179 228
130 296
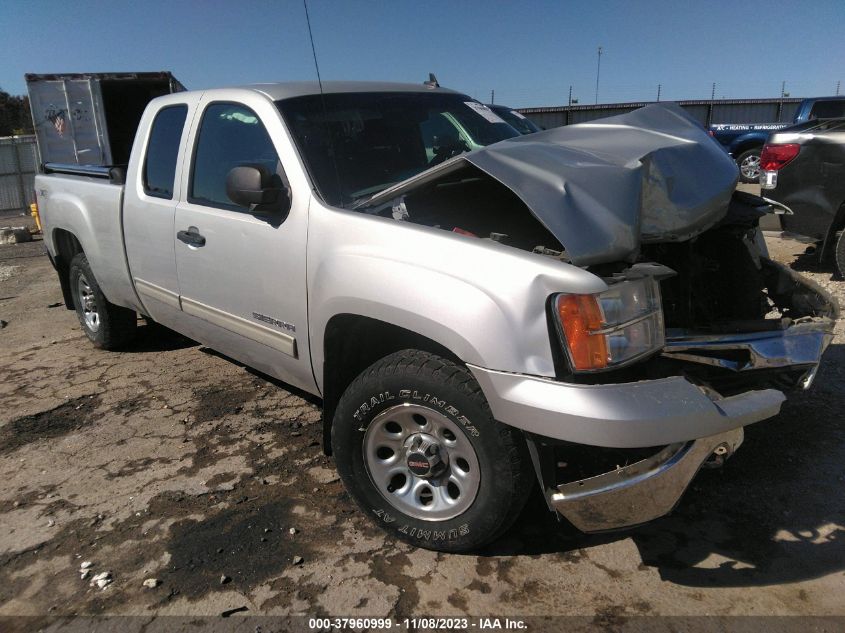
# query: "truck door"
149 206
242 275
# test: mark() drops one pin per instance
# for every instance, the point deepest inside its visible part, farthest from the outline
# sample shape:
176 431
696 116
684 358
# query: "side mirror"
253 186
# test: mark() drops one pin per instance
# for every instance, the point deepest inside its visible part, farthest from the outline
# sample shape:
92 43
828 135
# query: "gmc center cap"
424 456
421 465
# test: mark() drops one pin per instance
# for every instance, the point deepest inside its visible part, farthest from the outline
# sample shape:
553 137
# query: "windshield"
832 109
516 120
357 144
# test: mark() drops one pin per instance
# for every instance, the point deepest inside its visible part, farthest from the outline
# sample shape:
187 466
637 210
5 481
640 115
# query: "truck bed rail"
114 174
97 171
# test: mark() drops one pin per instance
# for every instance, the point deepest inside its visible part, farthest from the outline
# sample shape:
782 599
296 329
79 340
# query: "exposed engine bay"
469 202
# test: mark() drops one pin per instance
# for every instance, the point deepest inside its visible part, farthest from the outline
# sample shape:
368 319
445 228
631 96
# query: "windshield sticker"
239 116
484 111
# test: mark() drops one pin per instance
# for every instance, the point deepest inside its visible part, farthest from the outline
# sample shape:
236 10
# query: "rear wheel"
418 449
106 325
749 165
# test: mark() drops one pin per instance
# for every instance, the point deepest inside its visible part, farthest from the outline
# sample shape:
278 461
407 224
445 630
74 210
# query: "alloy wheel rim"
751 167
88 303
399 443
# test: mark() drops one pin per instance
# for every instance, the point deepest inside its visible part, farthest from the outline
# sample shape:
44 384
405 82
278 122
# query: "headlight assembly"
612 328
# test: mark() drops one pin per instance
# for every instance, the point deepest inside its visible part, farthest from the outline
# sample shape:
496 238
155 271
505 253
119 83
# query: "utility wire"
313 49
325 109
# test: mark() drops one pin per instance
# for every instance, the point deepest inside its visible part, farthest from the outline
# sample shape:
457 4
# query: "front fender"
484 302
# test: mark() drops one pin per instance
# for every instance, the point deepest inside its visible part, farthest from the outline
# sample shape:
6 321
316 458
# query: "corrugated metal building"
18 165
706 111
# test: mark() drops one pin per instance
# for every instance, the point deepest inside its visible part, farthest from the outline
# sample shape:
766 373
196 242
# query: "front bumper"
690 422
643 491
626 415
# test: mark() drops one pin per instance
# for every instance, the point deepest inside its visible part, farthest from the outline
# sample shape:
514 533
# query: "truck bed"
86 206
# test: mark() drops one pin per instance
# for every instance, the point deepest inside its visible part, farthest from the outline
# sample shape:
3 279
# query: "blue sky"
528 52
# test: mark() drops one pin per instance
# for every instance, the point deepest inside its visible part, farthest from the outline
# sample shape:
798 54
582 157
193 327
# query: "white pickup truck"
589 308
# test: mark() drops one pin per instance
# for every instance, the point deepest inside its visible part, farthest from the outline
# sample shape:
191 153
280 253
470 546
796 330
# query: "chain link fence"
18 165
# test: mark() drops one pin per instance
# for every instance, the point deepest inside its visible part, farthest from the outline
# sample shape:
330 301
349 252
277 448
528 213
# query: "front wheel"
749 166
418 449
106 325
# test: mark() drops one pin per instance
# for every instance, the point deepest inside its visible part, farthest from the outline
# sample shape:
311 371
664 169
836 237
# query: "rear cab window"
163 150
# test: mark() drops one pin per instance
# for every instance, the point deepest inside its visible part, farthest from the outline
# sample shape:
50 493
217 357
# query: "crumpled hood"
603 188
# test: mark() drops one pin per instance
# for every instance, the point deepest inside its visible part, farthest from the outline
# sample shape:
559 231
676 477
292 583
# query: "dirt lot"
169 461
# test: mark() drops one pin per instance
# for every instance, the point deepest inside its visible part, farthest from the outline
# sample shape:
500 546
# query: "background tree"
15 117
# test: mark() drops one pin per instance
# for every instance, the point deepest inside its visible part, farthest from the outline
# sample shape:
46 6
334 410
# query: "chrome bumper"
799 345
641 492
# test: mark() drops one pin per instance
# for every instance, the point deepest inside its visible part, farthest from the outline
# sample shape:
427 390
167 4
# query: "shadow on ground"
152 337
296 391
808 262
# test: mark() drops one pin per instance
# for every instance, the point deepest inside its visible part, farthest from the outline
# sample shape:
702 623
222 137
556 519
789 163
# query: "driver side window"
231 135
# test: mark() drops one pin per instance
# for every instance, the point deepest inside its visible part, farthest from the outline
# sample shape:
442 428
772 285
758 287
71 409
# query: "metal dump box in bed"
91 118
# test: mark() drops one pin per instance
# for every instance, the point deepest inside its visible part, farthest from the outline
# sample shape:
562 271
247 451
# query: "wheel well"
351 344
829 244
67 246
744 147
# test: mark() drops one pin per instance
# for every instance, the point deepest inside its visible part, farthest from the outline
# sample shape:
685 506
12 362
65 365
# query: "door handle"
191 237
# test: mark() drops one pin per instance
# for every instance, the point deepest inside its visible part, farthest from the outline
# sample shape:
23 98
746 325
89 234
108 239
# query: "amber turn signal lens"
580 316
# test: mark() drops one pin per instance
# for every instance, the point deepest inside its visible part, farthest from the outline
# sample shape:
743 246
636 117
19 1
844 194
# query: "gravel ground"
168 461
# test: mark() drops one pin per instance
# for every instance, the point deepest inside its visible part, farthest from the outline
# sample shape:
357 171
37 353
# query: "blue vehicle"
744 141
516 120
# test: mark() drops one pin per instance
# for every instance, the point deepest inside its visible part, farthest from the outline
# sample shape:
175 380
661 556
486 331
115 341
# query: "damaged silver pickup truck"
589 307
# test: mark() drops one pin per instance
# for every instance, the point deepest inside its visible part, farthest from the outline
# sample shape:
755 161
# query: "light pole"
598 73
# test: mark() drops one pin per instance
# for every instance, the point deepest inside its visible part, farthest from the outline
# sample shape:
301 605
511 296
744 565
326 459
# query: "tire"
483 479
839 255
749 165
106 325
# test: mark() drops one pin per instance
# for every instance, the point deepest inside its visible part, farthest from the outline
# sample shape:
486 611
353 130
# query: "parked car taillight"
774 157
613 328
